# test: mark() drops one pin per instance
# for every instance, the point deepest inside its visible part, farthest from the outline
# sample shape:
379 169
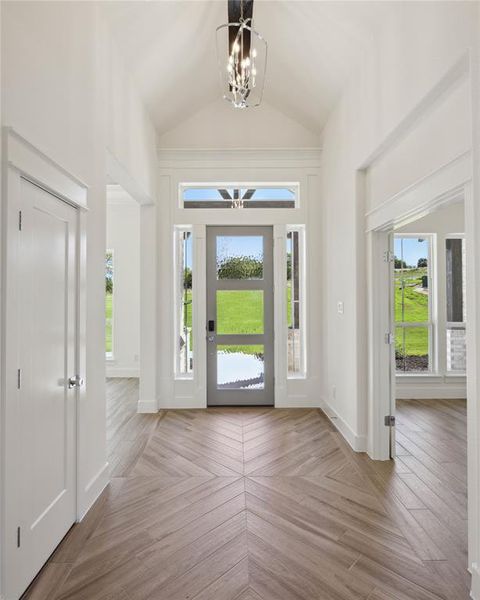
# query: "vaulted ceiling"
169 46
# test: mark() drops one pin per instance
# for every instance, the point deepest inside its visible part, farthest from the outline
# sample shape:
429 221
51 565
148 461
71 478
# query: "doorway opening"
429 313
122 302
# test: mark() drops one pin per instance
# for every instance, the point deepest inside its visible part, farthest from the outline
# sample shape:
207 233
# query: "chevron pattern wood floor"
268 504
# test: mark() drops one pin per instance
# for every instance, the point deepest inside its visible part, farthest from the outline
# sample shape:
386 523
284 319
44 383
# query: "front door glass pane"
239 312
240 367
239 257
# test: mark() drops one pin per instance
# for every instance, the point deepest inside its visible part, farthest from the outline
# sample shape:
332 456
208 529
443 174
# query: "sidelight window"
183 301
295 302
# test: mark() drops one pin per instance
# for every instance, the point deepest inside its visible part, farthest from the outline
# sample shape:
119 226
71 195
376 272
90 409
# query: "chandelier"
242 56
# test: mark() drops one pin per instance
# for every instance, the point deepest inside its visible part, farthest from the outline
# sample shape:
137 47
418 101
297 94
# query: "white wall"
58 93
443 223
383 117
123 238
219 126
407 74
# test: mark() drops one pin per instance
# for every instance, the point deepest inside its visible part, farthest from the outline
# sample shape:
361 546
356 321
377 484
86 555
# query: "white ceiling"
169 46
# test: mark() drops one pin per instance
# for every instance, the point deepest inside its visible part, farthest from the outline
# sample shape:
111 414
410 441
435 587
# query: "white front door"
42 498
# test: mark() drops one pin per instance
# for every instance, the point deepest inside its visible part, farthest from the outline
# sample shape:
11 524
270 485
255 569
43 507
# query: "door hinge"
388 256
390 421
18 537
19 220
389 338
19 378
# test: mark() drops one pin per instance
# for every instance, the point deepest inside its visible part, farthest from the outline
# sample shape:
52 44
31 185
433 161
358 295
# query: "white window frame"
302 372
432 322
178 232
236 184
110 356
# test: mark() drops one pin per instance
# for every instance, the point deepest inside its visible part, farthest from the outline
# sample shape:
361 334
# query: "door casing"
21 160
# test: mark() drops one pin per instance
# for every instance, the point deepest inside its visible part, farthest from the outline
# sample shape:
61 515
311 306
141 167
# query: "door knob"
75 381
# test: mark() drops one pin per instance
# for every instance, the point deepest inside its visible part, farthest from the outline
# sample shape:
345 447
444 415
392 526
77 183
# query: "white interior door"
46 284
393 365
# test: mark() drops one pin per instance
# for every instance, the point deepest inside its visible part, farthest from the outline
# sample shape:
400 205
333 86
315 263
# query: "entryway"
240 316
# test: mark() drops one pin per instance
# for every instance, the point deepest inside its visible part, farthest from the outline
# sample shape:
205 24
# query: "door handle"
75 381
211 338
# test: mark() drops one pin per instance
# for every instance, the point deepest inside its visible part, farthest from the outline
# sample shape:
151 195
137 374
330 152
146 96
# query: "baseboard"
112 371
93 489
475 591
147 406
358 443
297 401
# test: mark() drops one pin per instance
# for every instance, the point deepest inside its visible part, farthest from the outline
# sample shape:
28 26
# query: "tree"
422 262
109 272
240 267
187 278
400 264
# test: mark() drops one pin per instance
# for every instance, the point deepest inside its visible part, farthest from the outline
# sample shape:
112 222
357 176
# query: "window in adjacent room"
413 314
456 304
109 304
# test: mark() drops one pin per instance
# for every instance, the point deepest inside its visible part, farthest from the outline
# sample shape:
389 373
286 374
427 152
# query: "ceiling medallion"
242 56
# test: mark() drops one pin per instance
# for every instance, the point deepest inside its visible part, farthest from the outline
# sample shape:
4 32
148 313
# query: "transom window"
243 196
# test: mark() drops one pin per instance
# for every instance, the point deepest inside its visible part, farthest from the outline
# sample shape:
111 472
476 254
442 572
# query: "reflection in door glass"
240 367
239 257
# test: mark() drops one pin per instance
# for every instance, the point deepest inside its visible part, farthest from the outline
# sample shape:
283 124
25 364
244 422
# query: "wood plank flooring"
268 504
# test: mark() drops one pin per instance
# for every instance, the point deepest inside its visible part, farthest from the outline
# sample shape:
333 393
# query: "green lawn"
108 322
414 309
240 312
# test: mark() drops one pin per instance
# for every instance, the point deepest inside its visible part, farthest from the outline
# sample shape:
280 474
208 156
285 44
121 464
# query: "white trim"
475 591
147 407
280 315
201 158
42 170
358 443
93 489
120 175
445 185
